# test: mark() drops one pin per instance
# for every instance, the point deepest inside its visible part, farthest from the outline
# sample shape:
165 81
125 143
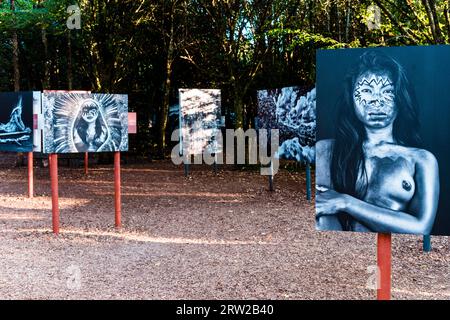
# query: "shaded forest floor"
209 236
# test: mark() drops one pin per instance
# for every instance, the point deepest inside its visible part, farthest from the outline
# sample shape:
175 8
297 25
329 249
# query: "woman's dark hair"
347 161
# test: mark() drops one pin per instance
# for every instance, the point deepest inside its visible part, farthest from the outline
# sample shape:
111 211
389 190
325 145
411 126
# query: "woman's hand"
329 202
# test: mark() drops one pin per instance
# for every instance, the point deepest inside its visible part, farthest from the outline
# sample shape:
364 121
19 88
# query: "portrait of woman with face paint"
374 175
89 131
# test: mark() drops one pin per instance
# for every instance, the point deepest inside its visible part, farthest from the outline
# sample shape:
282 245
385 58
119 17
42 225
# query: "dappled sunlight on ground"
206 236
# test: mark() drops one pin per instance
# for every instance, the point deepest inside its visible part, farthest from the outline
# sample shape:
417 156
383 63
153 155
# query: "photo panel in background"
383 133
82 122
16 121
37 121
291 110
200 121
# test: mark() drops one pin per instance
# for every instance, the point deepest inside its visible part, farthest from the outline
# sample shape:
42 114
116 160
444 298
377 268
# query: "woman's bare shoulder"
424 157
419 156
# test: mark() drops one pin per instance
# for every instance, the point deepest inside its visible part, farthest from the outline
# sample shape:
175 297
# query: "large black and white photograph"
291 110
16 121
81 122
382 132
200 121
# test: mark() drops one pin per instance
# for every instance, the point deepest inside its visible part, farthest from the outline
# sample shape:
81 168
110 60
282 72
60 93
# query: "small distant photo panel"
291 110
37 121
383 131
85 122
200 120
16 121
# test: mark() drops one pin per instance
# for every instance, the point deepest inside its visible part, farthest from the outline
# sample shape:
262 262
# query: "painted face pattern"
374 100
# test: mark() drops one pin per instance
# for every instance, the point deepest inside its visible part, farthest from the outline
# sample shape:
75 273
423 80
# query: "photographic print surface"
16 121
382 140
77 122
291 110
200 120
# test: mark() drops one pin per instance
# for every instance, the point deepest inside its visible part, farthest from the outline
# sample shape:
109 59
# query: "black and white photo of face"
89 111
374 100
78 122
90 130
373 171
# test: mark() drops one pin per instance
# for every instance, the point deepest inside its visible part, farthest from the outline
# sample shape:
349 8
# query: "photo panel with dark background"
84 122
16 121
428 70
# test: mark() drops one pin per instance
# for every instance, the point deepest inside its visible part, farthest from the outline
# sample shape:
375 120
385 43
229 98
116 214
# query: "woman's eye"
365 91
389 91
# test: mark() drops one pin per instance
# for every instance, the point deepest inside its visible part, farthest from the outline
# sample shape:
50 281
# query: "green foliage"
238 46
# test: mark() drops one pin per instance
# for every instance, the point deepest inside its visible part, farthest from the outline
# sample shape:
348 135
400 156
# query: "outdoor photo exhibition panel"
200 120
382 132
82 123
77 122
291 110
16 121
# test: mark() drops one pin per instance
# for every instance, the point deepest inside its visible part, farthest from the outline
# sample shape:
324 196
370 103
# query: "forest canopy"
151 48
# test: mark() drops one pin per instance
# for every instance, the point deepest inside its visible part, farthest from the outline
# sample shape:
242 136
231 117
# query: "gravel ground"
209 236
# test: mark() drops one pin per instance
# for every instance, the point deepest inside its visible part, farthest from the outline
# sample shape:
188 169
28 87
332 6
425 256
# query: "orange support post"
54 185
30 175
384 266
86 162
117 202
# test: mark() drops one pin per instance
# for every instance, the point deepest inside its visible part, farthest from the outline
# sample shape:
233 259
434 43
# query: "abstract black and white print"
16 121
200 121
291 110
382 135
77 122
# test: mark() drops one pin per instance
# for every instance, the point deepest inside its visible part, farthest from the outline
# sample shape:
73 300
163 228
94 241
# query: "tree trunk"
69 60
430 7
239 108
15 61
338 23
447 19
348 21
15 56
166 91
46 78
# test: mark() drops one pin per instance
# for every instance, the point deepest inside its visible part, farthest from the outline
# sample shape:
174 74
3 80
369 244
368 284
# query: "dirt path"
203 237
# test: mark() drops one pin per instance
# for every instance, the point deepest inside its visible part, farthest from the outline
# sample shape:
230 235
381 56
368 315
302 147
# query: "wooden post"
308 181
271 177
117 195
30 175
53 160
384 266
215 163
427 243
86 163
186 169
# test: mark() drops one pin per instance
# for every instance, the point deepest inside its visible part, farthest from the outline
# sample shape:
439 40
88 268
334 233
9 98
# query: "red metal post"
384 266
86 162
117 202
54 185
30 175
